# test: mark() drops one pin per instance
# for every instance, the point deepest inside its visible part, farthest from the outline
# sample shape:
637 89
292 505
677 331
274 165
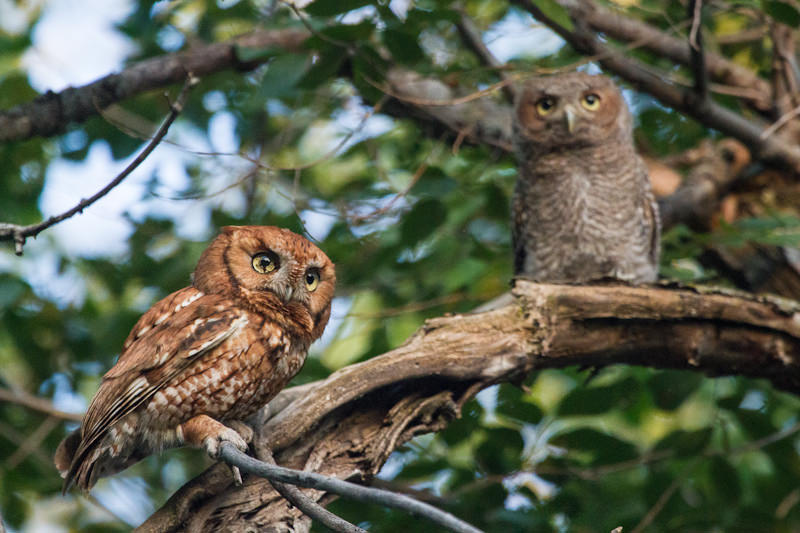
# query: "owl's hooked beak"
571 117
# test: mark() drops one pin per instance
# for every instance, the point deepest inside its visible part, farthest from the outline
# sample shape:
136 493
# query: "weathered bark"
347 425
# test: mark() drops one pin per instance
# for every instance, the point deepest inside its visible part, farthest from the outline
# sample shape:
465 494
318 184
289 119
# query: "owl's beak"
571 117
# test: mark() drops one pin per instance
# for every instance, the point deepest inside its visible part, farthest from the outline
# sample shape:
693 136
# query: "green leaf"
11 289
597 400
601 448
422 220
246 54
685 443
555 11
323 70
282 75
512 403
725 480
782 12
403 45
501 452
465 273
671 388
329 8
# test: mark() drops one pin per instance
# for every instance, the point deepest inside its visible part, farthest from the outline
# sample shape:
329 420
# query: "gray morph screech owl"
582 208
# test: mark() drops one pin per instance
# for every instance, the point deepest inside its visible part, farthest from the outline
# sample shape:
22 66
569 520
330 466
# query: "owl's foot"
204 432
242 428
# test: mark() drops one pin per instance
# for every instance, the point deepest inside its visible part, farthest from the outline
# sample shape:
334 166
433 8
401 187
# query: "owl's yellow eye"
545 105
265 262
591 102
312 279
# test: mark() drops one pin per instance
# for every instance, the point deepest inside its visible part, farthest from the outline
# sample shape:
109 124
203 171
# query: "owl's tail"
76 463
65 457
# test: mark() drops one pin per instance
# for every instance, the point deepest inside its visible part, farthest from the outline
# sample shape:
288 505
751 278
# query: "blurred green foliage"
417 229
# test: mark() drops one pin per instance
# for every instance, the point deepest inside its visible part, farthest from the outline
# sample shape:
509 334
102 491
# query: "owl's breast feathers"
585 215
191 353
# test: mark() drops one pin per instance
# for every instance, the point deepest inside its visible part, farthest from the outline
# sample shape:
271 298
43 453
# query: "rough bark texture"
347 425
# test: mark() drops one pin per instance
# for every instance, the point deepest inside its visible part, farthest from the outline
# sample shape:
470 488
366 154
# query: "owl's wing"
173 334
653 218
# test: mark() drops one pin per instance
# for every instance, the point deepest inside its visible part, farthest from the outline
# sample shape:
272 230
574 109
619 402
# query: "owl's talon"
213 443
237 476
244 430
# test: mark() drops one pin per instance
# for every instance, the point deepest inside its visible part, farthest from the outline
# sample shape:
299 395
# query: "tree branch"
347 425
296 497
472 37
712 177
30 401
696 52
233 456
631 30
19 233
50 113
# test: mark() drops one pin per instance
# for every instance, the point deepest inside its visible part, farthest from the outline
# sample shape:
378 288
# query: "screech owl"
207 356
582 207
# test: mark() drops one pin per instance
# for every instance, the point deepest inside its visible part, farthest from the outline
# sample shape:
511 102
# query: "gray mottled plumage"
583 208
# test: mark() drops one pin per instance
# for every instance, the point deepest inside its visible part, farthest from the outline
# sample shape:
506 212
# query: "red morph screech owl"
206 357
582 207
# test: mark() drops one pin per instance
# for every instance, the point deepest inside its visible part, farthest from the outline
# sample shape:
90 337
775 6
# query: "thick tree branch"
50 113
19 233
347 425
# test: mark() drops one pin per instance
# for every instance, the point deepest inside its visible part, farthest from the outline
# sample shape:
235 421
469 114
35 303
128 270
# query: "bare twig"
784 68
311 508
11 434
696 52
472 37
19 233
233 456
33 442
664 498
30 401
778 124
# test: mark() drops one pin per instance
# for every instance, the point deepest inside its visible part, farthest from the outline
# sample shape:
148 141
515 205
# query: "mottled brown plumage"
207 356
582 208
